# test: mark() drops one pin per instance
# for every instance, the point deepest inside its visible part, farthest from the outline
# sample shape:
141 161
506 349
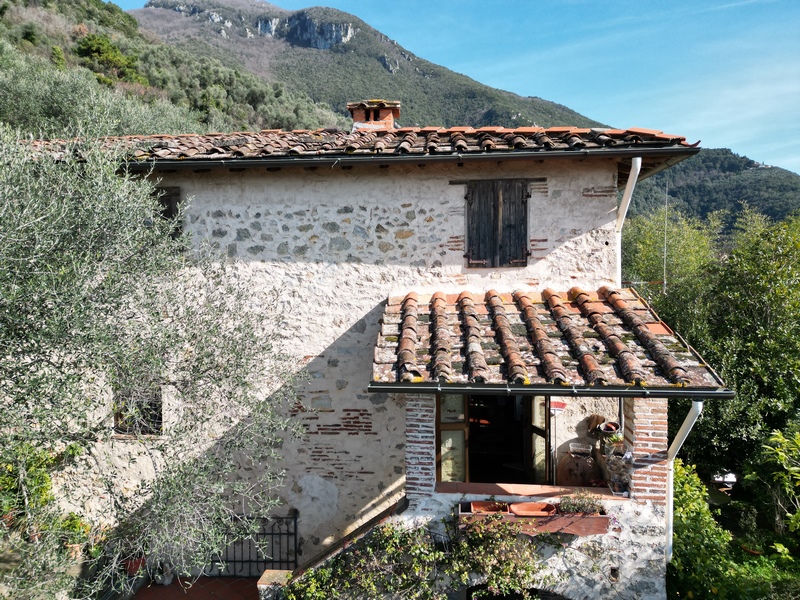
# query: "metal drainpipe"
633 177
675 447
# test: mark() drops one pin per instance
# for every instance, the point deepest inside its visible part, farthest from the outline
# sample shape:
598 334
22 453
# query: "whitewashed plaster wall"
337 243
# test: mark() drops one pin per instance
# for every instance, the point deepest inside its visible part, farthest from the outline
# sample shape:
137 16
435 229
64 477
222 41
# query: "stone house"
456 296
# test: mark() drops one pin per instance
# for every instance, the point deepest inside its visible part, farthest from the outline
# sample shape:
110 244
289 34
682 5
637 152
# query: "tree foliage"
159 89
778 472
401 561
105 58
717 180
45 101
100 306
701 565
739 307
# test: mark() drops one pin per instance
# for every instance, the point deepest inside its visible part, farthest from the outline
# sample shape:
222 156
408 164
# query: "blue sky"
726 72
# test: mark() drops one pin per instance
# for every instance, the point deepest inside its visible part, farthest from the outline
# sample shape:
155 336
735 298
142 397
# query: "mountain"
232 65
718 179
62 63
335 58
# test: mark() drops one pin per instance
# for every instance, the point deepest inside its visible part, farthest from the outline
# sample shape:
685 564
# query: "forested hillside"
226 65
719 180
336 58
64 61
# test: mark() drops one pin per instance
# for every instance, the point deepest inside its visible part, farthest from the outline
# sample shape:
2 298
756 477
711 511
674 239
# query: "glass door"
537 463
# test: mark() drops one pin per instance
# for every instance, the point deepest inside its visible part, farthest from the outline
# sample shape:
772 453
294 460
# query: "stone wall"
627 563
336 243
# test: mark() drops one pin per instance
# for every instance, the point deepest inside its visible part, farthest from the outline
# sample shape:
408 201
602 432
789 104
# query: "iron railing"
273 546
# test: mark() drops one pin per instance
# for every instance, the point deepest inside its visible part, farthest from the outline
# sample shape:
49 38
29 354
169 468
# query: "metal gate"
277 536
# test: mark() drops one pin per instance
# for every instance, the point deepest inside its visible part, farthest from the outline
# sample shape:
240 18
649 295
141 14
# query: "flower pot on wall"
482 507
533 509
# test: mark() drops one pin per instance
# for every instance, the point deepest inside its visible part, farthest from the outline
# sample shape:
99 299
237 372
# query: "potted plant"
614 444
582 502
581 513
134 566
75 533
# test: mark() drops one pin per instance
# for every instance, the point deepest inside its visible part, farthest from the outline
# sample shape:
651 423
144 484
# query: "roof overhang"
654 159
604 344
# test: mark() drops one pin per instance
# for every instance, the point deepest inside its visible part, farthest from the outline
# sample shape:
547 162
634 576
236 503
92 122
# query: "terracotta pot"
488 507
74 550
533 509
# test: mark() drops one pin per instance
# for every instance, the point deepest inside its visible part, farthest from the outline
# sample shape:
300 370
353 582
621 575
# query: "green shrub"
25 483
102 56
391 559
394 560
44 101
582 501
700 545
74 529
57 57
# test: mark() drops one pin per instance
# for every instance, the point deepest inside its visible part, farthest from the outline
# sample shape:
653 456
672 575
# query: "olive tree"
142 387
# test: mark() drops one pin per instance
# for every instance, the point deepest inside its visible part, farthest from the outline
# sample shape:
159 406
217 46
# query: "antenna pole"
666 211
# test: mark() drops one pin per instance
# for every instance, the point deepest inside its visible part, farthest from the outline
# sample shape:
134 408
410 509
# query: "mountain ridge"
335 58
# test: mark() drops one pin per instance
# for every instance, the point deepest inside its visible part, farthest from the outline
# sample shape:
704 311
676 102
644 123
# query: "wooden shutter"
170 199
513 216
497 223
481 224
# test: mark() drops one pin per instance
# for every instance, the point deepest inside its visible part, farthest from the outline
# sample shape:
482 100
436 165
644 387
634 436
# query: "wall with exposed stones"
337 242
628 562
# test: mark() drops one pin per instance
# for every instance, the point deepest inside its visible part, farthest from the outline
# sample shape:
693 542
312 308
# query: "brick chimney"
375 115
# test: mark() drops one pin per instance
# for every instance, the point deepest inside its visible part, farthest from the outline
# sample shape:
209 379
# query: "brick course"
420 445
646 433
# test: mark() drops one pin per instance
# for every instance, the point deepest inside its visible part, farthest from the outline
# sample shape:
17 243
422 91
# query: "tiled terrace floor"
205 588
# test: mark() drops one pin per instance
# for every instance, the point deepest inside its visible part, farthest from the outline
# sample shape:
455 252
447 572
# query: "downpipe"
633 177
675 447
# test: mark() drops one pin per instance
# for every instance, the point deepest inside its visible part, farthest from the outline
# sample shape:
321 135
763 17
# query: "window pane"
452 408
453 463
539 412
539 459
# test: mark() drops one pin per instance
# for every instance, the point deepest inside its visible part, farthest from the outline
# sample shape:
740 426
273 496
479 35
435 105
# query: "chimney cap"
373 103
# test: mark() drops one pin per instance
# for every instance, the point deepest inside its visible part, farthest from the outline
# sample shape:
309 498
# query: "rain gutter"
675 447
633 177
608 391
333 160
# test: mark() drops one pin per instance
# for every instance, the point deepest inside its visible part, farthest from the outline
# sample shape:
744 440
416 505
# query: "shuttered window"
497 223
170 199
138 412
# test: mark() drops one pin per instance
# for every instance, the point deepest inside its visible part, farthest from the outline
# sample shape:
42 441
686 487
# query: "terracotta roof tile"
603 338
424 142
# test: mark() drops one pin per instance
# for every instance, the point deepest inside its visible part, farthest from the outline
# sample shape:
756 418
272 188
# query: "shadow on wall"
346 465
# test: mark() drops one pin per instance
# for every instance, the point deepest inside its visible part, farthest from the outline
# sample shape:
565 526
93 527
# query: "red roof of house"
604 339
419 144
406 140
